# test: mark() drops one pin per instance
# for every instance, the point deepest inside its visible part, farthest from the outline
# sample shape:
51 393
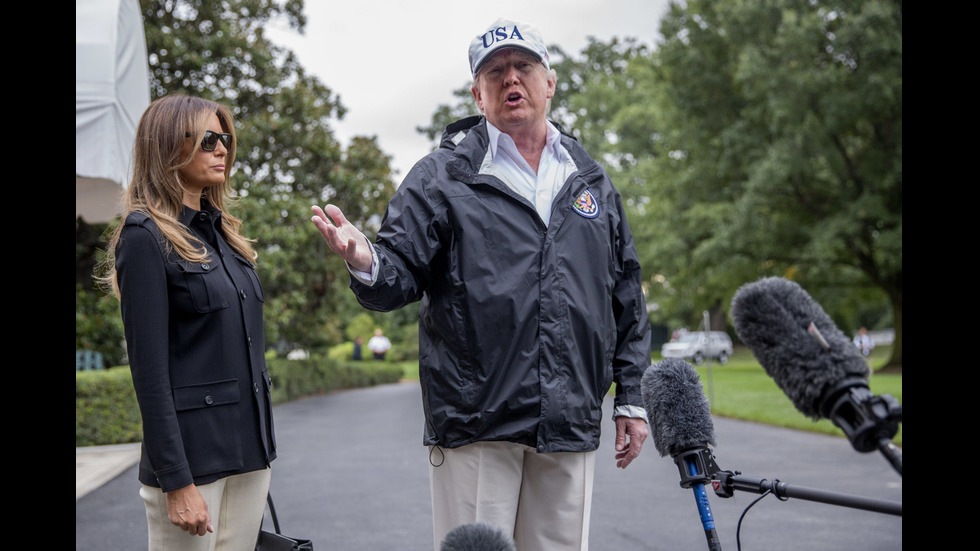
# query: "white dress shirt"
504 161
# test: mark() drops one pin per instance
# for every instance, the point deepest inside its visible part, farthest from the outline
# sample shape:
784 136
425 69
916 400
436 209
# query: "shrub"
344 351
98 325
106 411
293 379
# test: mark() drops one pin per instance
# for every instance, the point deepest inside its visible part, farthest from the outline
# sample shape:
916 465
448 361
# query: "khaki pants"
236 504
543 499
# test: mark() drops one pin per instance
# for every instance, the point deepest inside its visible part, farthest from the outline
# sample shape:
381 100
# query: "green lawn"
741 389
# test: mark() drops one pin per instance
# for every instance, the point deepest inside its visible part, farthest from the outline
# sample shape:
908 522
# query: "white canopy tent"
111 92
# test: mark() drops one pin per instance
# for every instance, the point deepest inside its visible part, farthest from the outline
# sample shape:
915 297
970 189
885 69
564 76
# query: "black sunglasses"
210 140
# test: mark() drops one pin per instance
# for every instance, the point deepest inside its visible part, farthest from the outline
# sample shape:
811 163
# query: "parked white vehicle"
699 345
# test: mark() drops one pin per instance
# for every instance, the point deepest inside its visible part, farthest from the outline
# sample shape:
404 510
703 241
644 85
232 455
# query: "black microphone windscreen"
477 536
773 317
679 412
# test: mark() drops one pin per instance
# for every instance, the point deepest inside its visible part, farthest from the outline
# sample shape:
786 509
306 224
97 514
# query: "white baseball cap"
505 33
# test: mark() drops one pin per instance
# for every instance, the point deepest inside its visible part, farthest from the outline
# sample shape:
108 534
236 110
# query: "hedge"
106 411
293 379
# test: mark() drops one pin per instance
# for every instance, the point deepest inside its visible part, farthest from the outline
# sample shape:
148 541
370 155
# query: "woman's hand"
342 237
188 510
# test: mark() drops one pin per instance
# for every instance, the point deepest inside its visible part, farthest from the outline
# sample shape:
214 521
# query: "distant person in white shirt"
379 344
863 342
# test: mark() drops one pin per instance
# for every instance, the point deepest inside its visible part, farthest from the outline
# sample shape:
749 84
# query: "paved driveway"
352 475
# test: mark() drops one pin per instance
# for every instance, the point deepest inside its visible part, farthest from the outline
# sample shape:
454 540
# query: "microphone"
681 426
815 364
680 420
477 536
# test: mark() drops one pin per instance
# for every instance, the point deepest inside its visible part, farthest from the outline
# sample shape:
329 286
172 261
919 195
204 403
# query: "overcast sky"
393 62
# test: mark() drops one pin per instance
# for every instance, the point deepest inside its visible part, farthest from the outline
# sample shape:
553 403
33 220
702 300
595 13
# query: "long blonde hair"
156 189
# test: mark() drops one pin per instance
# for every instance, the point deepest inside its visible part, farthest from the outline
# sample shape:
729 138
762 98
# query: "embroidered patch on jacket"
586 205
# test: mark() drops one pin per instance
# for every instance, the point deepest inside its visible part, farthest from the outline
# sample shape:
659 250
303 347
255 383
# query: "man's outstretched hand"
342 237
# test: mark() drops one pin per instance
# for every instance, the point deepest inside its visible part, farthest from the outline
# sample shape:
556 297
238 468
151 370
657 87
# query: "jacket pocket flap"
244 260
206 395
195 267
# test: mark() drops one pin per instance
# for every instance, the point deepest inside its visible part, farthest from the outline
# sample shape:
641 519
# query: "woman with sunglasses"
192 310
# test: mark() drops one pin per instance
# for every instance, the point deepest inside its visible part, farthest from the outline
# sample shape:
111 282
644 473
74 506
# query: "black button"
208 400
243 293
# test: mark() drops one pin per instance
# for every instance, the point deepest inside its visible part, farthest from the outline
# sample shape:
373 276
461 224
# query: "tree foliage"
465 106
288 158
781 149
758 138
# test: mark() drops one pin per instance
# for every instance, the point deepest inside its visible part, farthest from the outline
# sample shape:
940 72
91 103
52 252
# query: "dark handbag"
275 541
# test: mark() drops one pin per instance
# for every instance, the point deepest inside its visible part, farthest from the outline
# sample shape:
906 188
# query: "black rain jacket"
522 327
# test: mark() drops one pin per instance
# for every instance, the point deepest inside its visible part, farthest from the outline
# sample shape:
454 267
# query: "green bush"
106 411
293 379
98 325
344 351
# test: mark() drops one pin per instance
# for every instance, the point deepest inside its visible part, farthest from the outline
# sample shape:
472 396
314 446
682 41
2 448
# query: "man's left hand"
630 434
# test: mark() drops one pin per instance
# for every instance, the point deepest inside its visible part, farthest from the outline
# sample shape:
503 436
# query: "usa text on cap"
505 33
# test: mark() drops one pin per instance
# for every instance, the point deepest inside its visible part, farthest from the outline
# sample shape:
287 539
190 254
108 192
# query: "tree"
288 158
465 106
782 141
759 137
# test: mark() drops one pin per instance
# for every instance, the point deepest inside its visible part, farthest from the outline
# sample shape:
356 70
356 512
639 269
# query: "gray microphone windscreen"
796 342
679 412
477 536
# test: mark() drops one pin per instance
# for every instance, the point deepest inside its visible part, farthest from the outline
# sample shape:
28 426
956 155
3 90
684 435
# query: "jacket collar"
468 155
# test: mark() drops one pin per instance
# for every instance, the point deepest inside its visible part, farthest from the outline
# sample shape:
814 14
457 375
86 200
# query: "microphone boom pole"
701 468
694 466
726 482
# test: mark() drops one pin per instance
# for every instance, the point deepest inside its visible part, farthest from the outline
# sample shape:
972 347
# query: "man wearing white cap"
517 245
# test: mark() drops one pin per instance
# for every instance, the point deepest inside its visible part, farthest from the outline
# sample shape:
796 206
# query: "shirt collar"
551 141
187 214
